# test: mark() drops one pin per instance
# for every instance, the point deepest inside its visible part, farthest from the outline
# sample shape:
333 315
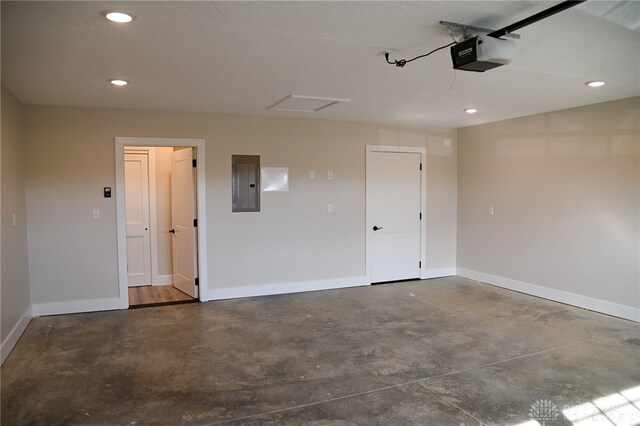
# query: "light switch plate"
330 175
96 214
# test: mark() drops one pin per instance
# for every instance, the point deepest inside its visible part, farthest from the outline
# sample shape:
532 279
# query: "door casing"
199 144
423 204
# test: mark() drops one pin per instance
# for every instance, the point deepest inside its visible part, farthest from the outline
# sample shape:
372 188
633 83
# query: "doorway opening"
161 221
395 206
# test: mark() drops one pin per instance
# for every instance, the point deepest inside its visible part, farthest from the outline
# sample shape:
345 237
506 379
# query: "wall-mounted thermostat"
107 192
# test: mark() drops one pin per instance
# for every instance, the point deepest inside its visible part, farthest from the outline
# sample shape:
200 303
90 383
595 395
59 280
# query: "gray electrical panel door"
245 172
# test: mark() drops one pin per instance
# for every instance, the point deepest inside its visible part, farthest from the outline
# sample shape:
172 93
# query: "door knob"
375 228
173 231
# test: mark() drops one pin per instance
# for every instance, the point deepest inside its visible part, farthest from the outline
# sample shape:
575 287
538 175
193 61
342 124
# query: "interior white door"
183 219
393 210
136 180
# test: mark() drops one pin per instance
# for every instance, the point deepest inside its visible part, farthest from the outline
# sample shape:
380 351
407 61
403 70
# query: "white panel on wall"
275 179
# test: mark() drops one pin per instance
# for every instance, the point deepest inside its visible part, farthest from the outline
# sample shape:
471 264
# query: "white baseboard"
162 280
76 306
12 338
284 288
438 273
593 304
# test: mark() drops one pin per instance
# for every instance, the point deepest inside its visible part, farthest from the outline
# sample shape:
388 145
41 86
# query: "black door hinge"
194 162
420 166
420 216
195 223
419 264
197 282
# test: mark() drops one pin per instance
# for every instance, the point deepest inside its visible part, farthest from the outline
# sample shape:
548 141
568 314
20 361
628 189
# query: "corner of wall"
14 335
15 283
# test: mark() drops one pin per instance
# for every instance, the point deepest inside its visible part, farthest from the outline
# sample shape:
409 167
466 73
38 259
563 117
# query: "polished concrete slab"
445 351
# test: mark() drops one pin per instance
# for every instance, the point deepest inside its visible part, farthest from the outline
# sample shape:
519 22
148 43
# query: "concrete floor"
440 352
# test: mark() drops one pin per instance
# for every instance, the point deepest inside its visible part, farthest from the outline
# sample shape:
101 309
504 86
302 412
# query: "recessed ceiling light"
597 83
119 16
117 82
471 110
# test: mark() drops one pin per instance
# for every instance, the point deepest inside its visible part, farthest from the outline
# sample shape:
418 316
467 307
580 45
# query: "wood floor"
154 295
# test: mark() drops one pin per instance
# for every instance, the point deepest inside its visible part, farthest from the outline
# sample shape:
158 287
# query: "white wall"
15 297
565 187
163 210
442 206
292 239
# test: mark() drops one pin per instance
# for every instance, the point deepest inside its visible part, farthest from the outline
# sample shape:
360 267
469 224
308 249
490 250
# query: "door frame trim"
199 144
423 202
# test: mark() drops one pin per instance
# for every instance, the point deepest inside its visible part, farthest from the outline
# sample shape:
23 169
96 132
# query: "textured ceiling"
242 57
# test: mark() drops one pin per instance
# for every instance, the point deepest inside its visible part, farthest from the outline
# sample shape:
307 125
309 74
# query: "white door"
393 210
183 219
136 179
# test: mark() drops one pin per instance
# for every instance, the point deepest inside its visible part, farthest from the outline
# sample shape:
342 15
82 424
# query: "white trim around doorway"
199 144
